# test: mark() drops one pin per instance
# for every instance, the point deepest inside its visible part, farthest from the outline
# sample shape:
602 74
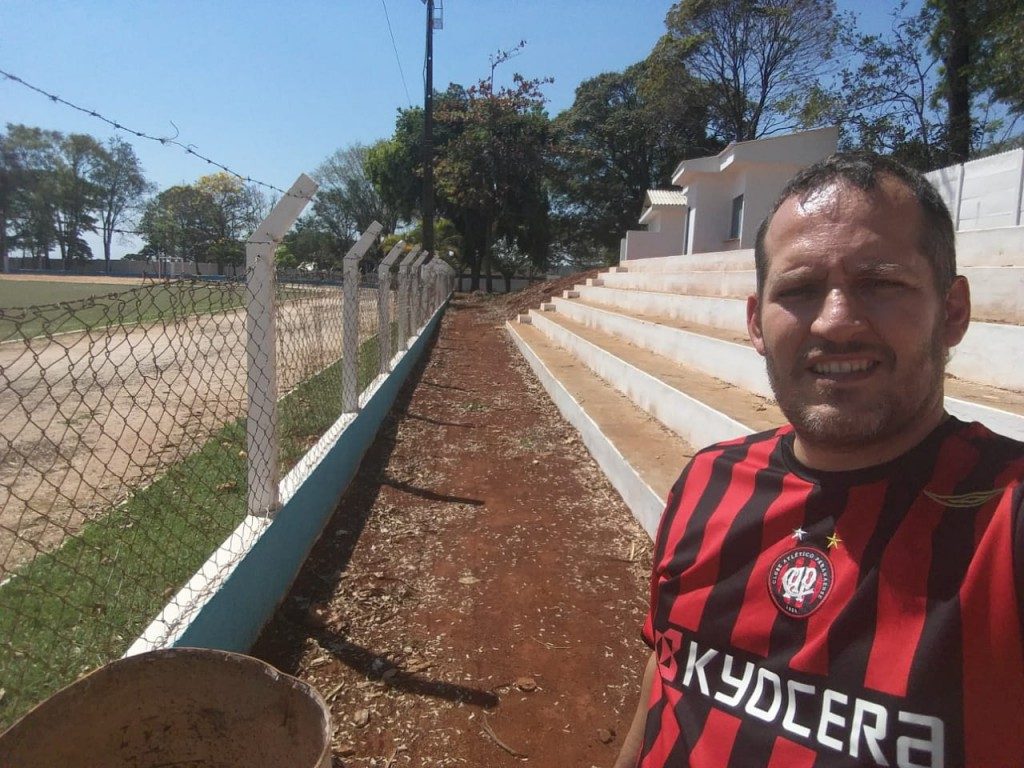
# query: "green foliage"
756 57
312 242
492 152
206 221
624 134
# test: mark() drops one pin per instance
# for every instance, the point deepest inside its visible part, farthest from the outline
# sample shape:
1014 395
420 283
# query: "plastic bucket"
186 707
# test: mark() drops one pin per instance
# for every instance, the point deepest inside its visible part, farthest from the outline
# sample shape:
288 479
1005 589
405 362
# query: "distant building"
723 197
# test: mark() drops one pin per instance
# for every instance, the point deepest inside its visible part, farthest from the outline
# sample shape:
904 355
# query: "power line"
165 140
397 57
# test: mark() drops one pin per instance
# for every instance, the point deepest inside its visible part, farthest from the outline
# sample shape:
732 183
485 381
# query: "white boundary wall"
985 193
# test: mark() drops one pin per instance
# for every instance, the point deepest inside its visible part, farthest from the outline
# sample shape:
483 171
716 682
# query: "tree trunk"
107 237
488 242
957 61
4 260
474 282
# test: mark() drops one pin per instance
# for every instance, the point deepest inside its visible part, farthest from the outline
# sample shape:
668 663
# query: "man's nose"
839 317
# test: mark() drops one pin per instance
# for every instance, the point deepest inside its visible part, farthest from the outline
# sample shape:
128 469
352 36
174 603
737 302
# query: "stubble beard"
839 423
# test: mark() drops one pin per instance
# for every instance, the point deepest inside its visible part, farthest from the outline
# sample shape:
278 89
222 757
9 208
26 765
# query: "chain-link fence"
124 455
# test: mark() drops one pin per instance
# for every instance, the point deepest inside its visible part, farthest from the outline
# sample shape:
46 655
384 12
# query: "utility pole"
428 136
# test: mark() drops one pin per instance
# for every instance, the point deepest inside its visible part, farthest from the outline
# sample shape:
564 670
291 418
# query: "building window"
737 218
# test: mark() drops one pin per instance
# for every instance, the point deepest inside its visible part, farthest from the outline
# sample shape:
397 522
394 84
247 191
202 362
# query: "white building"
724 197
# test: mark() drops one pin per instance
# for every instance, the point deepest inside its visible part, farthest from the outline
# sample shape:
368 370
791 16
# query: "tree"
1002 54
885 101
29 157
179 223
491 153
236 210
757 57
75 194
205 221
348 201
624 134
492 172
979 45
510 259
120 186
311 242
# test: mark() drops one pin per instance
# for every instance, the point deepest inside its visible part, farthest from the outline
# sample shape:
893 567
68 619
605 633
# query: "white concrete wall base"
990 354
642 501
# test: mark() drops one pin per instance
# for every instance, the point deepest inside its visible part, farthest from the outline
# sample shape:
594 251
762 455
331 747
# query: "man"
844 590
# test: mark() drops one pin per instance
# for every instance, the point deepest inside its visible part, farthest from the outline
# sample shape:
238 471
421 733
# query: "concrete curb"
642 501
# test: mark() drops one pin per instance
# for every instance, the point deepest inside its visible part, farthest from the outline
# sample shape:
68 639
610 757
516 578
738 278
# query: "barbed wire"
140 233
164 140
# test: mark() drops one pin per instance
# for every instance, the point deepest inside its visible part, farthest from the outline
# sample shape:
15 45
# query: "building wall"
763 186
647 245
710 197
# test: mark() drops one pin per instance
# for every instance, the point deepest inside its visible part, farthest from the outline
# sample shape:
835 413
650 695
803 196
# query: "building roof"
659 200
664 197
792 149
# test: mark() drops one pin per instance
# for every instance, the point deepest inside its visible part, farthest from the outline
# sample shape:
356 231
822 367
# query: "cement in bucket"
186 707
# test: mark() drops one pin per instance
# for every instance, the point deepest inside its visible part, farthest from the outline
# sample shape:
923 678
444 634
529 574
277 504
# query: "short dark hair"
864 171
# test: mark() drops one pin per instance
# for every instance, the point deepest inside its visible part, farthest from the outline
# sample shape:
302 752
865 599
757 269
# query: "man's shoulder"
988 447
740 447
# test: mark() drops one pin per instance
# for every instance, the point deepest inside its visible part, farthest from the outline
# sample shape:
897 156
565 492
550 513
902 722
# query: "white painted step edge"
642 501
1003 422
739 364
696 422
725 360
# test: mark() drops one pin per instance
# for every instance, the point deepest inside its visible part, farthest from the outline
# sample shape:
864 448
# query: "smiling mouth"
835 367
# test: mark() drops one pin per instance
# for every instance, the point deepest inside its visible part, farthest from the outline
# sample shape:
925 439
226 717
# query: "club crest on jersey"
800 580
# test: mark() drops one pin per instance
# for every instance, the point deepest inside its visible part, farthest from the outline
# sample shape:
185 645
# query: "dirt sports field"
88 415
478 596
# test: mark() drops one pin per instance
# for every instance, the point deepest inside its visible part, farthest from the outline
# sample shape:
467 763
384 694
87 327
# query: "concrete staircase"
650 361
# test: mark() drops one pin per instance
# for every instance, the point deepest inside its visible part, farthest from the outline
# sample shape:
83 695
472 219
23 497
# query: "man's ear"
754 323
957 310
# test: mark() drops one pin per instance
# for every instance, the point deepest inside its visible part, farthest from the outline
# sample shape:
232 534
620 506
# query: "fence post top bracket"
284 214
406 263
357 251
394 254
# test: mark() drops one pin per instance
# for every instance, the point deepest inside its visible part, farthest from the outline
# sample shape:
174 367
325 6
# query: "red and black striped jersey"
872 617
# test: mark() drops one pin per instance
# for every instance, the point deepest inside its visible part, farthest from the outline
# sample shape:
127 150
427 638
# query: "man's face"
850 322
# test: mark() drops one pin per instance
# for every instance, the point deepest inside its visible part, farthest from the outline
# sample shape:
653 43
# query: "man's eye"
881 284
795 291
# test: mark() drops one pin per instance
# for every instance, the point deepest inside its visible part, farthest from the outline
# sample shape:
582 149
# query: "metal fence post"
350 319
384 304
261 437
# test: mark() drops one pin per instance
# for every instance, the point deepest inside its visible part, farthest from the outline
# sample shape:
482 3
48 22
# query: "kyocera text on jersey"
813 715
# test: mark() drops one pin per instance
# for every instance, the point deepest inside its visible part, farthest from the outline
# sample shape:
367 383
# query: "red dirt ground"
477 598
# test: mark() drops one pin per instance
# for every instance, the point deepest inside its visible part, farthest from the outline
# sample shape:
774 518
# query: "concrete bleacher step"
640 456
997 293
727 356
980 358
696 406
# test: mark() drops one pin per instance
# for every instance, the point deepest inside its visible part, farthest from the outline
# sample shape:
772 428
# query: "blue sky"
270 91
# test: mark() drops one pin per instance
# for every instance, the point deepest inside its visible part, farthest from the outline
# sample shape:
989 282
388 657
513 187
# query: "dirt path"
481 588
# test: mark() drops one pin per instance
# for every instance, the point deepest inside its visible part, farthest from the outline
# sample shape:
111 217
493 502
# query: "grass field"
73 609
33 308
30 293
